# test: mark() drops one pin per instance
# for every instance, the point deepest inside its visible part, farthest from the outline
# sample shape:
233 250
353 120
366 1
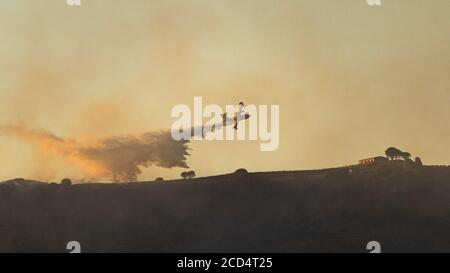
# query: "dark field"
406 210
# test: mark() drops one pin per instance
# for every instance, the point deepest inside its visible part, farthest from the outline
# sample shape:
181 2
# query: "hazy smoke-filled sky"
351 79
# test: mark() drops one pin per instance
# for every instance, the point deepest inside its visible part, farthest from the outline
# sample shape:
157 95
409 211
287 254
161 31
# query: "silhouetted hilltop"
333 210
21 182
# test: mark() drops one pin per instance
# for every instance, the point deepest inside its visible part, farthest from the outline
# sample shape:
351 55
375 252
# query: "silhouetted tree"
191 174
66 182
406 155
184 175
393 153
241 171
409 161
418 162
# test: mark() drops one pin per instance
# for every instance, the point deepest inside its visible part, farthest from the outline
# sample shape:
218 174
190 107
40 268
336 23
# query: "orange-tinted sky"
350 79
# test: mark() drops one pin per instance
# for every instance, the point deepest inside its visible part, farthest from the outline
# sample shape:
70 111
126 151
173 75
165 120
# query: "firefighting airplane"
227 120
238 116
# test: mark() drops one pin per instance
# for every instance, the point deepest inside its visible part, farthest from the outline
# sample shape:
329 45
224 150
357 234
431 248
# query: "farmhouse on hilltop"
372 160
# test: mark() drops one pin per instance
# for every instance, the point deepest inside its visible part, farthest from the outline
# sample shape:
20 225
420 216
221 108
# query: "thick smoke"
115 158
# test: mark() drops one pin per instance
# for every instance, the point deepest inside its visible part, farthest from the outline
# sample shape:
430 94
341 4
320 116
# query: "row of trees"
393 153
184 175
189 174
